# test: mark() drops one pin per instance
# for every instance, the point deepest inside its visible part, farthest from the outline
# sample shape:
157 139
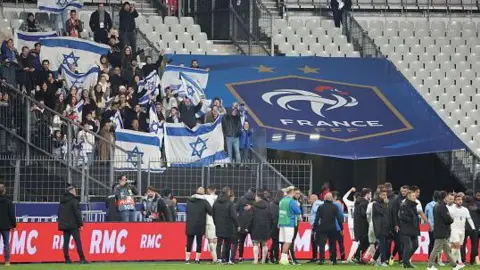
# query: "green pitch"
202 266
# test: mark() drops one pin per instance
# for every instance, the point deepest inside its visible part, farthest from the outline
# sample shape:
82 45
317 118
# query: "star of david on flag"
198 147
58 6
70 59
135 156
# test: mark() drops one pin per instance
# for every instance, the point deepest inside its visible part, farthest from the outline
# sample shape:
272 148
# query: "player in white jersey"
350 207
210 232
459 214
371 233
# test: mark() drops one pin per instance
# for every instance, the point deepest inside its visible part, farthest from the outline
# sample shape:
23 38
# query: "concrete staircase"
146 7
273 7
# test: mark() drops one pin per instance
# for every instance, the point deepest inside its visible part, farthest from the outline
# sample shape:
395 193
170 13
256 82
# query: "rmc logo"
333 110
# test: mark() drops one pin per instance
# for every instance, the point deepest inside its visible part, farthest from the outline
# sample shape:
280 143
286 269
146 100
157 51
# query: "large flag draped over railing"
141 148
155 125
65 50
150 84
171 78
21 39
58 6
80 80
202 145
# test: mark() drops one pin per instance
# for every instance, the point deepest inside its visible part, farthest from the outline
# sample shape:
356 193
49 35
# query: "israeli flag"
172 78
79 110
142 150
65 50
58 6
155 126
200 146
117 120
85 80
21 39
150 83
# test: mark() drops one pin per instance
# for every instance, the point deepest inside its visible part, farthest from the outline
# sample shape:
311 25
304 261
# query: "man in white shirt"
459 214
210 233
350 206
371 233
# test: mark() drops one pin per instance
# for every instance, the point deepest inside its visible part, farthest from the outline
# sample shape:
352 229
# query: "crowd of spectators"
117 90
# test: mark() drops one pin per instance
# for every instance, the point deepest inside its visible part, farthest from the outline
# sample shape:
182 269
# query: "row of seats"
436 33
309 23
388 4
433 65
168 21
419 25
425 41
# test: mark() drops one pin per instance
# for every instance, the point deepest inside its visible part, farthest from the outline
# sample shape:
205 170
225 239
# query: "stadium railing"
359 37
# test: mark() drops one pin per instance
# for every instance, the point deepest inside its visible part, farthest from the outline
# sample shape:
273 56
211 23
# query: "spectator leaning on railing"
31 24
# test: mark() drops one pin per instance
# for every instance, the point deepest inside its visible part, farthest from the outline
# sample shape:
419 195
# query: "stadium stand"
441 59
311 36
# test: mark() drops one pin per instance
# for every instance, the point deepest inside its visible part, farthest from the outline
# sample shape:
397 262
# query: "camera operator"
154 208
124 193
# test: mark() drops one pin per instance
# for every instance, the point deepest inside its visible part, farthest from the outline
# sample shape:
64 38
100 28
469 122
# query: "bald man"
325 227
197 210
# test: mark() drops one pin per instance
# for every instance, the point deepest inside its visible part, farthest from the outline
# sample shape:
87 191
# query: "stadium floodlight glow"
314 136
277 137
290 137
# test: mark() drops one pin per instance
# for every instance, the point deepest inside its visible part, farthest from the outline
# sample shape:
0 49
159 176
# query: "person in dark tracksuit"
474 235
244 213
261 227
71 223
226 224
394 207
197 210
274 251
381 225
325 227
441 232
7 222
409 228
339 226
361 223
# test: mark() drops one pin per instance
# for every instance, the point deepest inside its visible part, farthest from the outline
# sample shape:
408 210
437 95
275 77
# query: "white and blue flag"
155 125
21 39
85 80
171 78
117 120
58 6
150 84
79 110
142 150
66 50
202 145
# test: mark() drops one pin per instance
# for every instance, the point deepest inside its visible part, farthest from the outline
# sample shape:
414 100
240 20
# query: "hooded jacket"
197 210
381 219
442 221
360 218
274 208
262 221
393 208
245 216
156 208
224 217
69 213
408 219
7 214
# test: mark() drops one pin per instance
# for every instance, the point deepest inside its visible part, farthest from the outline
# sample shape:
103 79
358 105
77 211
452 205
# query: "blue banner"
350 108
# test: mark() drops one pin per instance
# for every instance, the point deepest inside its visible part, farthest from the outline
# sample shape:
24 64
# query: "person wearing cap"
7 222
70 222
287 219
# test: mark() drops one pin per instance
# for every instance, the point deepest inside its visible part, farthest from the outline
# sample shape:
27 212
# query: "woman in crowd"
104 65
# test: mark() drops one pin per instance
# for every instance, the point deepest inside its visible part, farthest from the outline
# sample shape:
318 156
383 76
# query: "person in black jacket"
381 225
71 223
128 26
232 129
325 228
154 207
188 110
441 232
111 204
408 222
338 7
226 224
261 227
393 208
100 23
245 214
274 208
360 223
7 222
473 234
197 210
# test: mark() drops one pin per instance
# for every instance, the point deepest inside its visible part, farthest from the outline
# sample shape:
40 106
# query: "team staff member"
274 208
315 202
261 227
287 219
325 226
7 222
361 223
197 210
381 225
71 223
226 224
244 212
296 197
394 207
339 225
124 193
210 233
429 213
441 233
409 228
472 233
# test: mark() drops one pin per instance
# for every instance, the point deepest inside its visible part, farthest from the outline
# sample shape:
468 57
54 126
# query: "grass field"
203 266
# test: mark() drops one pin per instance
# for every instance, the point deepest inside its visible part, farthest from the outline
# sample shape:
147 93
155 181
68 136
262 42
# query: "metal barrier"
359 37
464 165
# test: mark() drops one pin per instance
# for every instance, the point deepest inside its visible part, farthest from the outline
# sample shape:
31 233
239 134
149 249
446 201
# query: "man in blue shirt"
429 213
315 202
341 245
